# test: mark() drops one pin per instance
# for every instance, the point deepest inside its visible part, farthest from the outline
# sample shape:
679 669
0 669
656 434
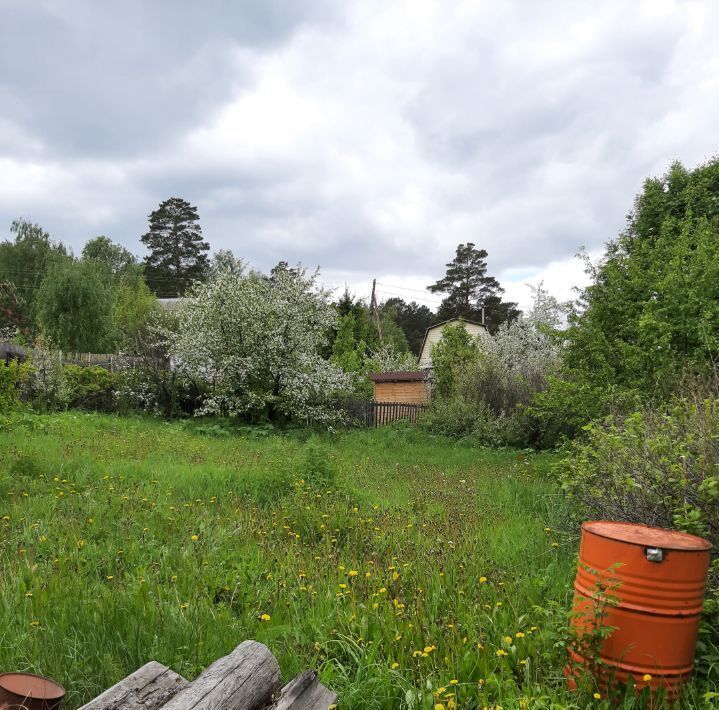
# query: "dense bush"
657 466
90 388
483 386
13 378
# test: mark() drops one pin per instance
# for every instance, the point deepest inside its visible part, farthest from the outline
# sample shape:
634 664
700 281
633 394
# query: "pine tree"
176 257
469 289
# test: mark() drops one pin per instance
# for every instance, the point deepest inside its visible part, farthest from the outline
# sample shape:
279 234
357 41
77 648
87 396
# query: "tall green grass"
396 563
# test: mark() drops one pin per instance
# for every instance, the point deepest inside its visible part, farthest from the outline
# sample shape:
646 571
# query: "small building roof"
400 376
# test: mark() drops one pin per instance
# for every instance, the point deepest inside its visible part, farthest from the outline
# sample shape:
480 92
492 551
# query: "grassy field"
412 571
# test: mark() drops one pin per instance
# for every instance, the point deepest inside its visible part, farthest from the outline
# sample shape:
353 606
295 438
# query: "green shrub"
13 377
318 470
657 466
90 388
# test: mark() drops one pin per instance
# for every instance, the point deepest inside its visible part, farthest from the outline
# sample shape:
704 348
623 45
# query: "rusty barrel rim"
48 688
646 536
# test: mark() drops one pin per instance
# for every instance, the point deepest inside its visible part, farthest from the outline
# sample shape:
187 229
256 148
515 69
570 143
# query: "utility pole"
373 310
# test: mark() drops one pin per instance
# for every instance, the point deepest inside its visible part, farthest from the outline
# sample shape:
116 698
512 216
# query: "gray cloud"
368 137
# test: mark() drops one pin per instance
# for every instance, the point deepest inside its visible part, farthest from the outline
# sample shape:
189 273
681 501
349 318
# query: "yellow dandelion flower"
501 652
394 666
482 580
519 635
454 681
597 696
438 706
265 617
352 573
194 538
508 639
647 677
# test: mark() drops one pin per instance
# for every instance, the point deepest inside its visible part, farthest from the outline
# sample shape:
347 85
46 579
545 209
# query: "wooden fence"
10 351
370 414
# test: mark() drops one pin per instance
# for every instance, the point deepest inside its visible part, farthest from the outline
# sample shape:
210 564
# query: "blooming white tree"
254 341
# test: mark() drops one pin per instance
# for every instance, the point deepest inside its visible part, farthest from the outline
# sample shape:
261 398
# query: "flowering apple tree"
254 341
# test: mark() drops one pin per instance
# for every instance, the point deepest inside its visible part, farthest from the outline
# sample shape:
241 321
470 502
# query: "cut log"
247 679
305 692
148 688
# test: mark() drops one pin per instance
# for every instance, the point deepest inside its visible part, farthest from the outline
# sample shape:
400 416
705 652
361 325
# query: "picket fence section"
371 414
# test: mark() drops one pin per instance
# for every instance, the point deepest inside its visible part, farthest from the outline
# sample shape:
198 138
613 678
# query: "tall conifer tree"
177 255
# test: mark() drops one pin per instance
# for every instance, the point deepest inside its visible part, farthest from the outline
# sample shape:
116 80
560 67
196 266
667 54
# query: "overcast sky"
367 137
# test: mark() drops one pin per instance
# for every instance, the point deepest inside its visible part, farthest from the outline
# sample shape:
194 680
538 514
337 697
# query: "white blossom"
254 341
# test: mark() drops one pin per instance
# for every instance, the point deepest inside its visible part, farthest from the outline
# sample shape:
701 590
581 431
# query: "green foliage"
24 262
114 257
134 306
91 388
75 305
177 255
652 310
412 318
317 469
455 351
13 378
346 351
657 466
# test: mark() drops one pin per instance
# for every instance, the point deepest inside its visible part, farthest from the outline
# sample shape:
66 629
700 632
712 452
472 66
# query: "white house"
433 335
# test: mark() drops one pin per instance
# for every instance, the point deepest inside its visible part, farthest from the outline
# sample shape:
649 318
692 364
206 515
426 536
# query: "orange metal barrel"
655 579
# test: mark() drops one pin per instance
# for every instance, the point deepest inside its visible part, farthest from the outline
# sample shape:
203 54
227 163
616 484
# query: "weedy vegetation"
412 570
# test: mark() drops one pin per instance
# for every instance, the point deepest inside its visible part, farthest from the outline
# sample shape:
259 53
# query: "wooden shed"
407 387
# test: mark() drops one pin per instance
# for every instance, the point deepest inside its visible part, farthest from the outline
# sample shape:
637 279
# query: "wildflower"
394 666
352 573
438 706
508 640
519 635
501 652
647 677
597 696
109 577
454 681
368 574
34 623
265 617
29 594
194 538
482 580
429 649
395 576
383 590
342 586
184 605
